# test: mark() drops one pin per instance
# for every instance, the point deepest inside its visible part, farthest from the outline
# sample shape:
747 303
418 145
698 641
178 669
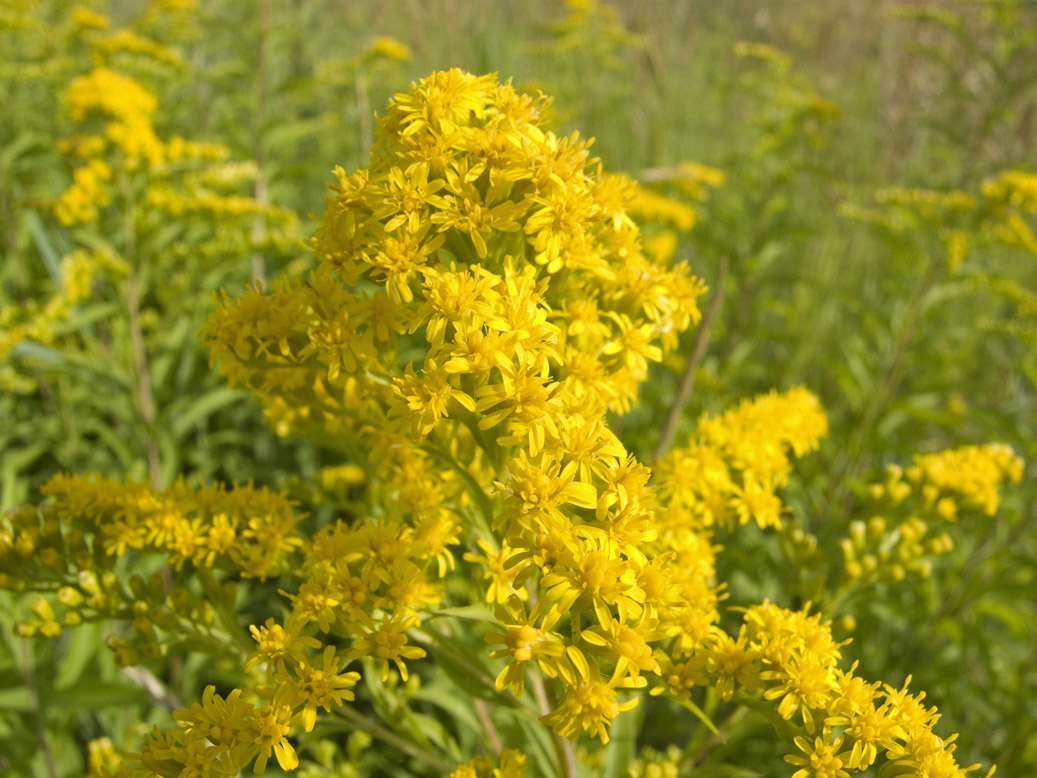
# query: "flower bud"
70 597
42 610
88 582
876 526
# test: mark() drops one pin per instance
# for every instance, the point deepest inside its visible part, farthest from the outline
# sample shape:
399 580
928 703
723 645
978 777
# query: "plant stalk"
698 353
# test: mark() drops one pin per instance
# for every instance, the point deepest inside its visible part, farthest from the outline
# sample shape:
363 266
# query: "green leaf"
168 455
17 147
160 240
85 315
722 771
854 375
475 490
700 715
288 133
535 739
201 407
443 695
201 647
1018 621
91 239
433 730
463 667
89 694
16 699
112 439
50 256
381 697
12 488
34 350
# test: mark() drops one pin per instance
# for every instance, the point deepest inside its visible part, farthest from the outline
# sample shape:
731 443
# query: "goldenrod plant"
479 304
696 449
145 224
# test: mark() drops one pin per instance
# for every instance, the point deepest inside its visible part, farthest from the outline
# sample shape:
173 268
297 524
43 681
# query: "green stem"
134 289
699 748
482 710
259 190
565 754
145 395
36 710
363 110
698 353
850 463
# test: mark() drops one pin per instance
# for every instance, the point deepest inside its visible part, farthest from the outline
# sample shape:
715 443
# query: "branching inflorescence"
480 302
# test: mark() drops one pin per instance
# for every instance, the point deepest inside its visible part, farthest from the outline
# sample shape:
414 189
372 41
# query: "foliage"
431 547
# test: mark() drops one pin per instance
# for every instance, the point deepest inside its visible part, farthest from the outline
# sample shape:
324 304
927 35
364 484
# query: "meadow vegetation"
360 415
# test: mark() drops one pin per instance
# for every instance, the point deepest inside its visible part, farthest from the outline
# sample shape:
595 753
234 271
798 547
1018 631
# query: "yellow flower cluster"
374 580
387 47
581 534
128 42
224 175
84 19
971 474
177 203
1014 187
1001 212
729 474
883 549
128 141
78 271
222 735
696 179
929 202
70 546
512 764
369 582
689 180
653 764
791 110
125 105
652 206
839 722
101 756
121 176
89 192
935 490
735 462
594 26
481 301
466 211
499 261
